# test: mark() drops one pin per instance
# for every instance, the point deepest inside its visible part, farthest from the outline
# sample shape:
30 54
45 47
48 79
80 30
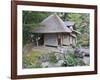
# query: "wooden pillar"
37 40
44 40
61 39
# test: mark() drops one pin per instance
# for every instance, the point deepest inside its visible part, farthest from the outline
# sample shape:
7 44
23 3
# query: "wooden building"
56 32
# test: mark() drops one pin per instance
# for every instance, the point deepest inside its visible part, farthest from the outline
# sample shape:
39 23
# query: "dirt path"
44 49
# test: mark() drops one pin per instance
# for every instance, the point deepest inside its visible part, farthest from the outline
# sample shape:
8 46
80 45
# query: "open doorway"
41 40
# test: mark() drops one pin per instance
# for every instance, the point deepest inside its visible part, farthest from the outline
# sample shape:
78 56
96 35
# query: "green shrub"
71 60
84 40
52 57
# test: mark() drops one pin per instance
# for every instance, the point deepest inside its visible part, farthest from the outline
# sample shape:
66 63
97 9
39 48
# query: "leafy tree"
30 21
81 24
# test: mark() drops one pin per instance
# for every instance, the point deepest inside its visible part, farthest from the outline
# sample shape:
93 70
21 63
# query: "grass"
30 60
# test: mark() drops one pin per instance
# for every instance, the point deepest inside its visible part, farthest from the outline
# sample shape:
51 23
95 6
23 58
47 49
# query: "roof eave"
76 32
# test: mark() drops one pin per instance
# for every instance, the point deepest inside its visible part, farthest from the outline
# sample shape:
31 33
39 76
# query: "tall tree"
30 21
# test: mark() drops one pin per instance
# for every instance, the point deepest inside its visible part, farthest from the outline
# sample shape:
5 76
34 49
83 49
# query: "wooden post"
37 40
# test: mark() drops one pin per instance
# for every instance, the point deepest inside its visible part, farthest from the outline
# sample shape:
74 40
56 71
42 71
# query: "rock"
44 58
59 56
45 64
86 60
60 62
76 51
87 55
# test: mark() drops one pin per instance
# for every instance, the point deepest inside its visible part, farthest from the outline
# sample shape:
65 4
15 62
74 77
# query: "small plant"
52 57
71 60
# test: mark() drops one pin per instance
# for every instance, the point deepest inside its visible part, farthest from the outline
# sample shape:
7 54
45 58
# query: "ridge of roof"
52 24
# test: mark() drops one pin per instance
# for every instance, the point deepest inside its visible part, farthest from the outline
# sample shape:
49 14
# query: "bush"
84 40
71 60
52 57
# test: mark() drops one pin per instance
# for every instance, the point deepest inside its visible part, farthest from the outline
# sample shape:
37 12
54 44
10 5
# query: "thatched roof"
69 23
73 35
76 32
52 24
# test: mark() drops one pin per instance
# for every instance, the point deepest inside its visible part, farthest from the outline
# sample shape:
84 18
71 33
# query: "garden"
45 59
